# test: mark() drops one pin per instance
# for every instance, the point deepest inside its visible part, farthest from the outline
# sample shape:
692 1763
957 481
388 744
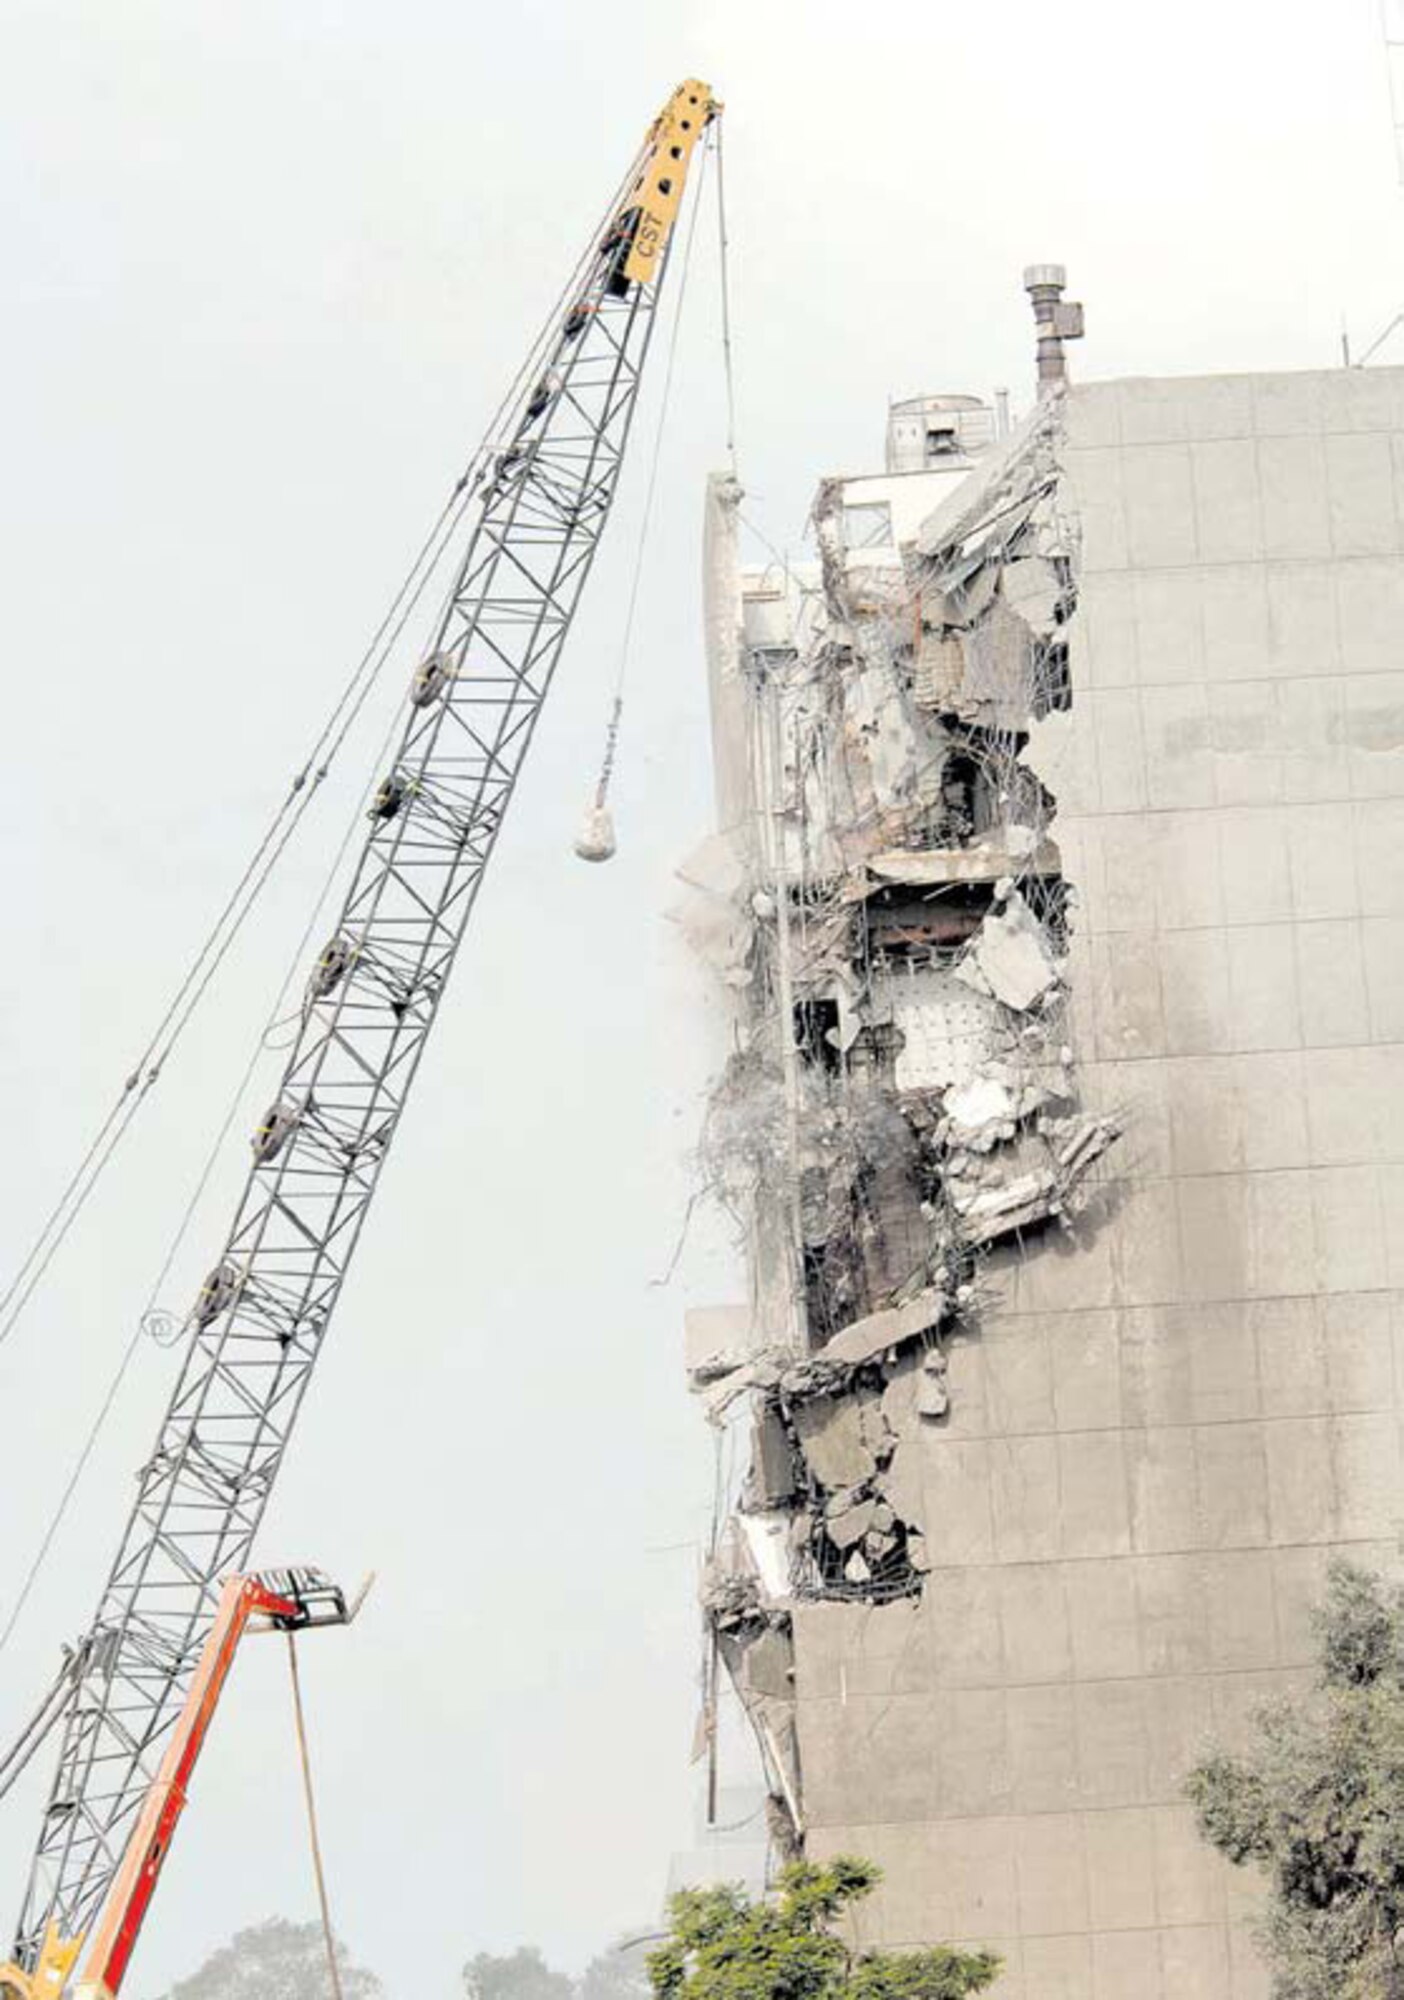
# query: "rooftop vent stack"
1057 320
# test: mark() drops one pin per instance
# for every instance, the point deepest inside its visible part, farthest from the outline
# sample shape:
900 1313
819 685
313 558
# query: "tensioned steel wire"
197 981
242 899
145 1323
250 1355
616 713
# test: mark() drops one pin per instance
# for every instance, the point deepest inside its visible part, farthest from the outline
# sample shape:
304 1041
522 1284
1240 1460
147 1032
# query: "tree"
276 1960
1317 1803
617 1974
519 1975
724 1946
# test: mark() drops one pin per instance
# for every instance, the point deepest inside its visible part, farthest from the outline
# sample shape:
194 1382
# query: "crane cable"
227 926
144 1323
597 843
148 1316
724 248
49 1712
315 768
300 1723
441 533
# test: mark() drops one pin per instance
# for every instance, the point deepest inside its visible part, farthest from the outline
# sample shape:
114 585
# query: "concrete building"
1059 899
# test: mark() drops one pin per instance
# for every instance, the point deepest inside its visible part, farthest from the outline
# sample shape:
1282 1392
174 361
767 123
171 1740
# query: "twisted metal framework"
542 492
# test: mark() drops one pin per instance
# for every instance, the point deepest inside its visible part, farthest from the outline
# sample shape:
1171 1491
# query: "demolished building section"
886 907
1050 1441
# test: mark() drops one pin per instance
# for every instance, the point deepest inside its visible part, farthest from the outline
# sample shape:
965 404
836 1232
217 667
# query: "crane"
284 1600
539 492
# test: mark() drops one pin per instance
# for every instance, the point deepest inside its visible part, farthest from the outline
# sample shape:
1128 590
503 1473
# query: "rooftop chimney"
1056 320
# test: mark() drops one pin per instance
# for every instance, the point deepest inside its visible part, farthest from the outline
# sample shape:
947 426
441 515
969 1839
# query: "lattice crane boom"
543 489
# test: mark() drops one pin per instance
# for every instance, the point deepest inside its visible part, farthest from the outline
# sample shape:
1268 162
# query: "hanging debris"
595 840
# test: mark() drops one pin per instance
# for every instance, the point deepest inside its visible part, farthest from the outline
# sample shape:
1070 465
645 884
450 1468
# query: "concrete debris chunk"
981 1112
1027 1199
1088 1142
1014 955
1032 588
946 1029
850 1524
716 1339
721 1391
901 1486
768 1662
987 859
987 1214
876 1434
971 973
899 1397
933 1397
879 1332
998 677
831 1436
765 1539
772 1475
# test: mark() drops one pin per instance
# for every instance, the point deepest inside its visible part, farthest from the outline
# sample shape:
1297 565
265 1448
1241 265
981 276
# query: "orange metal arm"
128 1900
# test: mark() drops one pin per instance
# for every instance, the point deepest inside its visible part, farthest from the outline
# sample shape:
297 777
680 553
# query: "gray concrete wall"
1162 1428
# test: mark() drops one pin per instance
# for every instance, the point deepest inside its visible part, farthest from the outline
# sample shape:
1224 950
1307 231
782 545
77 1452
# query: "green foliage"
723 1946
1318 1804
519 1975
523 1974
617 1974
276 1960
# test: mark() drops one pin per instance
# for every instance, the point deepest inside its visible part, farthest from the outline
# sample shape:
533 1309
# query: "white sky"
267 268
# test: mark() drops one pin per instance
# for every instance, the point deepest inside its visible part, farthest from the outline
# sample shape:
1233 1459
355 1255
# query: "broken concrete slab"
772 1476
1086 1143
987 859
831 1437
899 1397
877 1333
726 1384
768 1663
765 1540
716 1339
1014 955
901 1483
947 1031
989 1213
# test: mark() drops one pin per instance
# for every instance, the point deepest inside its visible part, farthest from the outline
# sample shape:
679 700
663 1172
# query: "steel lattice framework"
544 488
